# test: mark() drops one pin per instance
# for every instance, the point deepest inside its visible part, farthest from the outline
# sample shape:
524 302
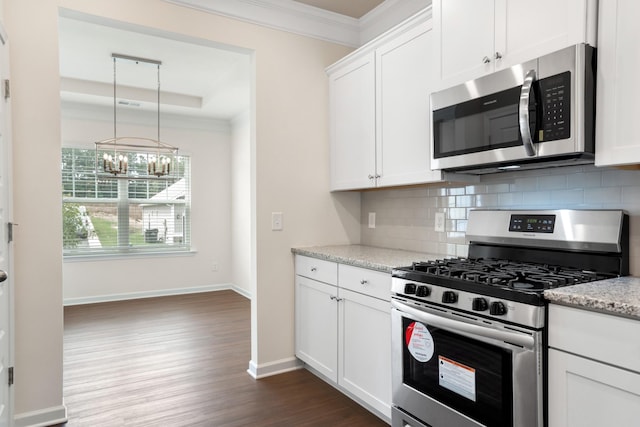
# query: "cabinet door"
617 137
365 349
526 30
352 124
404 81
463 37
585 393
316 323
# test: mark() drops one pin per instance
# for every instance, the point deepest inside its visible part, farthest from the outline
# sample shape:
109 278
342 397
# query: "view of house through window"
103 214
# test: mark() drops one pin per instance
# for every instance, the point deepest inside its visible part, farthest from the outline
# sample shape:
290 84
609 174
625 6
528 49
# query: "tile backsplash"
405 218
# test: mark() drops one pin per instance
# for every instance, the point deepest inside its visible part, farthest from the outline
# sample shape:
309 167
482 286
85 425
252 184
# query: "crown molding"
285 15
299 18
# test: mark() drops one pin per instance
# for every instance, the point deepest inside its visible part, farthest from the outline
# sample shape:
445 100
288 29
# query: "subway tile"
465 201
584 180
487 200
603 195
498 188
446 202
617 178
536 198
631 195
455 191
437 191
565 198
510 199
475 189
457 213
461 225
552 182
524 184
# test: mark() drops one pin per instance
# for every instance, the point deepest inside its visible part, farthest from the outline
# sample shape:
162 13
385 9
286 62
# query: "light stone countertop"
619 296
381 259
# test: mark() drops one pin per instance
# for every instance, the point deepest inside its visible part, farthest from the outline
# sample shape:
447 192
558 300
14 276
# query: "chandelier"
112 154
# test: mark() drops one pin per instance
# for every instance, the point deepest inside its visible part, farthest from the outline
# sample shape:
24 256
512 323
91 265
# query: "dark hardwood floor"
182 361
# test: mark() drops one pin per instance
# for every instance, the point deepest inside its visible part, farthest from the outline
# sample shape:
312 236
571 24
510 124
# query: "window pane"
104 214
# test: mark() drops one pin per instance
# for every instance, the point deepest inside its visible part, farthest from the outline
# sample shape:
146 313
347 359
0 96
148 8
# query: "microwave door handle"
524 340
523 113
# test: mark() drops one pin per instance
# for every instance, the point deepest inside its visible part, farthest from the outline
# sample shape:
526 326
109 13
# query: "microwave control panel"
555 96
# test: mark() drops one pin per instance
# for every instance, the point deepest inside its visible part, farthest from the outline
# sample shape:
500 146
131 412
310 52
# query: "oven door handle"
520 339
523 113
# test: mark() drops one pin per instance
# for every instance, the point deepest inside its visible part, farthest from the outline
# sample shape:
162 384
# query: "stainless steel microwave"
540 113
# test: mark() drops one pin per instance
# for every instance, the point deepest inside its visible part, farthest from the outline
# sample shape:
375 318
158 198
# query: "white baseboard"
42 417
156 293
274 368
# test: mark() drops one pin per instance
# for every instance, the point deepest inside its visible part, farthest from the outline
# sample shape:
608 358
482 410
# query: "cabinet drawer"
317 269
607 338
369 282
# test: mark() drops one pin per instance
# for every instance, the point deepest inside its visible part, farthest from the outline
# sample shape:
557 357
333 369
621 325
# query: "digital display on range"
532 223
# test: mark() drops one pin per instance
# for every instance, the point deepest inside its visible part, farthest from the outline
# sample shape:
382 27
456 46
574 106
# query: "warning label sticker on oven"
457 377
419 342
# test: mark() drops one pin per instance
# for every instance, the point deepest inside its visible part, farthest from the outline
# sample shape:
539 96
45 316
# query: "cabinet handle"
376 176
486 60
498 55
339 299
314 269
333 297
364 282
371 176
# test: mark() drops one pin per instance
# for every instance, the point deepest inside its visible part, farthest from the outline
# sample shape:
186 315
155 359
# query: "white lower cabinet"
594 369
364 349
317 325
343 332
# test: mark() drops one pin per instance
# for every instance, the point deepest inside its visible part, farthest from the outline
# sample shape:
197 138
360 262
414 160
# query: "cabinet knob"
371 176
364 282
314 269
498 55
333 297
486 60
377 176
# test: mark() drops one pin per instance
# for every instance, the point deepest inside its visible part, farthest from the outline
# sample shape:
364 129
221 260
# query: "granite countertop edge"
371 257
619 296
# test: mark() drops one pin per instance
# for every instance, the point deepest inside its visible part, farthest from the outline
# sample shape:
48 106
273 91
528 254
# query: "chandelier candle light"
117 164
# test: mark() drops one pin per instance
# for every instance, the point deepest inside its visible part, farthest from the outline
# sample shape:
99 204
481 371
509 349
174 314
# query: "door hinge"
10 372
10 231
7 89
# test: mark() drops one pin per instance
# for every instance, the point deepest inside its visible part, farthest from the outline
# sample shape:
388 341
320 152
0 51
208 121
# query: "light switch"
276 221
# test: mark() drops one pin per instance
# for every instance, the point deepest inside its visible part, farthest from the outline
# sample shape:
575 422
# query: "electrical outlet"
276 221
372 220
439 225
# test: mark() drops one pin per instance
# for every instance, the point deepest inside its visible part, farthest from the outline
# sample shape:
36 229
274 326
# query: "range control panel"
532 223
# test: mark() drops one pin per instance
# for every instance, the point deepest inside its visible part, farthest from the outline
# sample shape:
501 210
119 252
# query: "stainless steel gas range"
469 334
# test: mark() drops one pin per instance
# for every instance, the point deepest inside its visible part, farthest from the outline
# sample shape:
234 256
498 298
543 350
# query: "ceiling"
196 79
353 8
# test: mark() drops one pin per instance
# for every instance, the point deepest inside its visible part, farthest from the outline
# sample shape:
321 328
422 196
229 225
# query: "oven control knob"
410 288
497 308
423 291
449 297
479 304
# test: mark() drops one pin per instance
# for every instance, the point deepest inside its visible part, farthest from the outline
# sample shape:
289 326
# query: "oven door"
450 369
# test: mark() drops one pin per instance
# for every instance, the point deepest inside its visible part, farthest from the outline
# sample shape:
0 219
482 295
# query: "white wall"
289 150
241 203
207 142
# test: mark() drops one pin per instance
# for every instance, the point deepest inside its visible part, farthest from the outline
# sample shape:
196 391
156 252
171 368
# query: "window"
108 215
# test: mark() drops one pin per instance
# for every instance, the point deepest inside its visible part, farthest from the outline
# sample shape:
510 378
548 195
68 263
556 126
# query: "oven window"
481 124
469 376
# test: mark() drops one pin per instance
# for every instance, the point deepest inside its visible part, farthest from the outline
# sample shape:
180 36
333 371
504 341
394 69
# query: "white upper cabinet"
352 124
476 37
403 84
379 110
617 108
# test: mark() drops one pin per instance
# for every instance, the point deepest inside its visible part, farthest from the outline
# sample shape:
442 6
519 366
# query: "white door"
5 261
